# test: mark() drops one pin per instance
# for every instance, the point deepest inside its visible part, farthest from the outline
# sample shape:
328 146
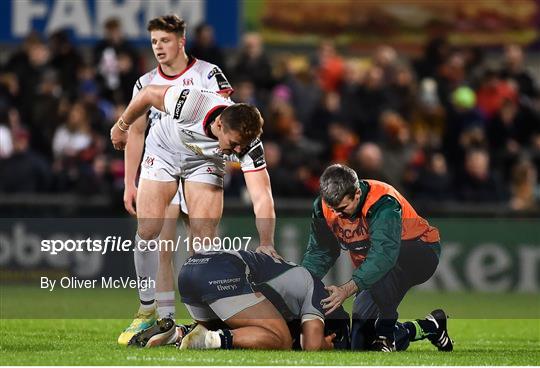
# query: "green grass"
494 341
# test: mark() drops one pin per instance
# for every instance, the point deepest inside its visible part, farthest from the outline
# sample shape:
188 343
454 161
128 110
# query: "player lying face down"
255 297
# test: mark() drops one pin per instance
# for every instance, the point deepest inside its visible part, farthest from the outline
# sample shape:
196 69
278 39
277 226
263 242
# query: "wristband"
122 125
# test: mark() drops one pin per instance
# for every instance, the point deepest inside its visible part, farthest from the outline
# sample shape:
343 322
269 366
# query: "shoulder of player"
206 69
317 208
146 79
202 65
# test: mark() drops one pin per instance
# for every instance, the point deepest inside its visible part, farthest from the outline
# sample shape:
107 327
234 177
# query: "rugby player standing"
160 194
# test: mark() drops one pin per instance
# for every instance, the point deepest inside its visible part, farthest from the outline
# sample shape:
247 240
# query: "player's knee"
282 335
149 229
148 234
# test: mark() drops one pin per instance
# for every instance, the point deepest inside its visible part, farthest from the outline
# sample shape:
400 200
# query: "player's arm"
384 221
132 160
149 96
313 338
260 191
323 249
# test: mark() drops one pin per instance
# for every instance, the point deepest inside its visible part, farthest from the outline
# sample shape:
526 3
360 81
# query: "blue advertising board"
84 19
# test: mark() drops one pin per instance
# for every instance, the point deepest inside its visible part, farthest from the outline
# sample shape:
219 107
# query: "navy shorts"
206 278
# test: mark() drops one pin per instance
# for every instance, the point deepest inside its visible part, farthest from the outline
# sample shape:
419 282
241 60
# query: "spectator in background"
285 182
525 192
66 60
28 65
368 162
253 64
342 142
436 53
244 91
297 150
385 57
509 132
106 57
351 94
428 118
329 66
478 183
465 125
434 182
402 91
451 75
305 92
398 149
24 171
492 93
204 46
327 111
373 100
514 69
128 75
74 136
72 148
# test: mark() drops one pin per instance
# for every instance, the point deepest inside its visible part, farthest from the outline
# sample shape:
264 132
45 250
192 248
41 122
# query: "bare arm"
313 336
148 96
132 160
260 191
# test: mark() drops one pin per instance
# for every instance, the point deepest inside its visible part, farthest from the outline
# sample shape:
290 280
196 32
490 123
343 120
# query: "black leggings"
375 310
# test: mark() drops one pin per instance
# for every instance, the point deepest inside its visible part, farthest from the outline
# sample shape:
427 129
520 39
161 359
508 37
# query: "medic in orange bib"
392 249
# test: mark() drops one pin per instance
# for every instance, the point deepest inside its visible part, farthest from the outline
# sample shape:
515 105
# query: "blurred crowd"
450 125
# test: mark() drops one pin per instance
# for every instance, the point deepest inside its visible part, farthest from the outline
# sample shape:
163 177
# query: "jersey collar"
210 118
191 61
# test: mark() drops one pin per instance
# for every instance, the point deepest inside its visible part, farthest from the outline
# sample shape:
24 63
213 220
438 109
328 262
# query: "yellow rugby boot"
142 321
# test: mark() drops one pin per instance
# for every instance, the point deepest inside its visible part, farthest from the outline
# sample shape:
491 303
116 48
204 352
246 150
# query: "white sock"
212 340
166 304
146 266
147 308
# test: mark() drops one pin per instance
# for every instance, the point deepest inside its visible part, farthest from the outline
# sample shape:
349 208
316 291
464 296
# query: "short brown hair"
169 23
243 118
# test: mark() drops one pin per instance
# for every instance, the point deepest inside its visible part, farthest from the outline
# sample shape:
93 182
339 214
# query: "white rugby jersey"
198 73
192 111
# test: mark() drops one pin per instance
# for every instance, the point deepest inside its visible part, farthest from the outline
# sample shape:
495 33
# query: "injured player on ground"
249 300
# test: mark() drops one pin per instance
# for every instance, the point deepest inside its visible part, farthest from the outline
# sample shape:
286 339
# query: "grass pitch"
494 341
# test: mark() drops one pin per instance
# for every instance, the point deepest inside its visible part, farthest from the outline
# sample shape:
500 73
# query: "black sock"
386 328
226 339
420 329
429 327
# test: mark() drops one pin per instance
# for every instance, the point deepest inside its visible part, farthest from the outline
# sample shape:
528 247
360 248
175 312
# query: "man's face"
166 46
230 141
347 205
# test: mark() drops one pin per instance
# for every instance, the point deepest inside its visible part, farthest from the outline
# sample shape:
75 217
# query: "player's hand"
118 138
268 250
130 199
337 296
328 342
